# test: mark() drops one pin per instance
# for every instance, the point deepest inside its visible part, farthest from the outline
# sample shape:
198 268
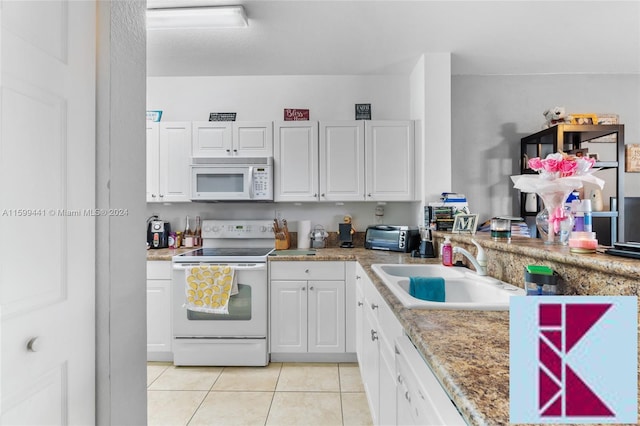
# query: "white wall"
492 113
265 97
120 183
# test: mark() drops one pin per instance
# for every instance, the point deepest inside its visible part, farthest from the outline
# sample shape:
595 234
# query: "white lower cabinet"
159 311
399 391
378 328
307 308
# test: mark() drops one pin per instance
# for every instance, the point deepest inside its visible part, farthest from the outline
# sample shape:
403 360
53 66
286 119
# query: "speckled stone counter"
467 350
165 254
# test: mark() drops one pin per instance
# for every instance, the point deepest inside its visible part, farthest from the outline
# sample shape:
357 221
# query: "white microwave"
232 179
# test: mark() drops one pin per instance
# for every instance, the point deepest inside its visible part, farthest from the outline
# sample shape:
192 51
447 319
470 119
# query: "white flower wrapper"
536 183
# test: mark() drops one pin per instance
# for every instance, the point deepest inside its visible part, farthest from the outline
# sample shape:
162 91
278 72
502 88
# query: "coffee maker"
157 233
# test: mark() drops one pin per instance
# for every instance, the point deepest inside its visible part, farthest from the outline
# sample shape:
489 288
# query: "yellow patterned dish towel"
208 288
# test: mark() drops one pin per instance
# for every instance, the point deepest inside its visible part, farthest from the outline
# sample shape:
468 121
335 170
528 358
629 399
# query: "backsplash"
327 215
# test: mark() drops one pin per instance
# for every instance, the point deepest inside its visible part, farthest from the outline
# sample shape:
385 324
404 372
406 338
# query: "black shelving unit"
567 137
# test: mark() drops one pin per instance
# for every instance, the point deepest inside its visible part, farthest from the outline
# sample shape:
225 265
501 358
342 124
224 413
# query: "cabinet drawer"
158 270
307 270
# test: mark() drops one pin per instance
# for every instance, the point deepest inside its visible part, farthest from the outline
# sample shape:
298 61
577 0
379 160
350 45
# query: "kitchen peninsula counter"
469 350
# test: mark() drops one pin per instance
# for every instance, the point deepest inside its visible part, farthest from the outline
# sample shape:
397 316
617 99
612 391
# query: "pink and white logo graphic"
561 391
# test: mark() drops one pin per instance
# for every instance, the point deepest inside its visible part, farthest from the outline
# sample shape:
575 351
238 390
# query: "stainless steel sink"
464 289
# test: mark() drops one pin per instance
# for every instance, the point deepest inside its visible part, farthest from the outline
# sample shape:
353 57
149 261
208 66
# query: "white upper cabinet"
342 156
389 160
296 161
232 138
168 152
253 138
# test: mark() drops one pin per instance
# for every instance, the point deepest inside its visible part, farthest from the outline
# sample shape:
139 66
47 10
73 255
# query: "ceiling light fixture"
197 18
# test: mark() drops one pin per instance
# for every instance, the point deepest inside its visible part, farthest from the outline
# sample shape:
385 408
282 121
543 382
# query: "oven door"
215 183
247 317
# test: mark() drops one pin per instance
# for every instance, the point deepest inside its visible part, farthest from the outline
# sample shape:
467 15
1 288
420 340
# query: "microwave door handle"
251 196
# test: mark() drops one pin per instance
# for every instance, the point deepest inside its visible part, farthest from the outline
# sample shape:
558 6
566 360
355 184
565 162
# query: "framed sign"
465 223
293 114
632 158
363 111
222 116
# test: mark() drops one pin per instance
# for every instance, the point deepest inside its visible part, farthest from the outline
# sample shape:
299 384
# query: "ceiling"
341 37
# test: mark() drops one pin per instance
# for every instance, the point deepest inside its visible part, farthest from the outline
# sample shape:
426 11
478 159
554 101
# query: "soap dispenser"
447 252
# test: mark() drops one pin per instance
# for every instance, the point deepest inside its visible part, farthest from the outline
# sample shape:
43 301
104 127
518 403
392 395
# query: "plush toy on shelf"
556 115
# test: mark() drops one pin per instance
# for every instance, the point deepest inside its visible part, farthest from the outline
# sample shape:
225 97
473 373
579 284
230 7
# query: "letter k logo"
561 391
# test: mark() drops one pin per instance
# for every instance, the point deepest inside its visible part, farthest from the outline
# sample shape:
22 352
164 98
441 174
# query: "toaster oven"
401 238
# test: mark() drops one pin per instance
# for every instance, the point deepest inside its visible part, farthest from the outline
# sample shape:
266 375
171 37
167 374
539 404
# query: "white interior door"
47 182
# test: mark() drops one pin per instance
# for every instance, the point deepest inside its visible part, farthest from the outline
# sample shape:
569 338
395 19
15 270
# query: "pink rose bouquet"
557 172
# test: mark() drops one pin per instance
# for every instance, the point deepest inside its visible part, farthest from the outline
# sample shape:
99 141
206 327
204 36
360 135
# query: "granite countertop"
467 350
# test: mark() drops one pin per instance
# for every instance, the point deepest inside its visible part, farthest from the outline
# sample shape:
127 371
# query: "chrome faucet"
479 262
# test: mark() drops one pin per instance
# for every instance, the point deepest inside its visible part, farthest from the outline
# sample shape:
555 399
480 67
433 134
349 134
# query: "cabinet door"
342 161
296 161
389 160
359 308
388 413
326 320
212 139
153 162
158 316
253 139
288 316
370 364
175 151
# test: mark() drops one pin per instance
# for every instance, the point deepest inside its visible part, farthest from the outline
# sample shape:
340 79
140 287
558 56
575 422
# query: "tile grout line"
205 396
275 388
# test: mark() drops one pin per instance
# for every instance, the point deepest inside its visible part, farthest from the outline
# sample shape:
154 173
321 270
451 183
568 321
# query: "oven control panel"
237 229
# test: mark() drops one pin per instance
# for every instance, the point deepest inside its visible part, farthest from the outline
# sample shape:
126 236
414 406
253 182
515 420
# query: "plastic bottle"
447 252
586 208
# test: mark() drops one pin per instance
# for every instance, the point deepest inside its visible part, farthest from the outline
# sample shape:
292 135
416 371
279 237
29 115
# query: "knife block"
284 244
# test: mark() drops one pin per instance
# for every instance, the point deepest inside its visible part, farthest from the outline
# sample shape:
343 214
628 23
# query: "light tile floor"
279 394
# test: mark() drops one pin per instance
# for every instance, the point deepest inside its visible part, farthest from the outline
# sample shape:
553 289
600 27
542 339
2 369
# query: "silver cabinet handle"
306 271
33 345
311 288
407 396
360 303
358 277
374 306
374 335
304 288
399 379
153 195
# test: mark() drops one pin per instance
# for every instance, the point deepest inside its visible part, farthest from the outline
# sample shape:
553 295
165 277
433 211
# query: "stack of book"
439 215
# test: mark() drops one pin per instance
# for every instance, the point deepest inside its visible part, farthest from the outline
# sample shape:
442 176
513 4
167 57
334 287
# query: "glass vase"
555 221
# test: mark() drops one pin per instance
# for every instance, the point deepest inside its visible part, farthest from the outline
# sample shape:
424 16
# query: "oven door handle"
237 267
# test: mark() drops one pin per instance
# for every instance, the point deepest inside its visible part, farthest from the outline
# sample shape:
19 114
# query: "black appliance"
158 233
401 238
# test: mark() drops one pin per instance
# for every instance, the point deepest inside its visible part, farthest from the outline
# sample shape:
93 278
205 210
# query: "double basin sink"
464 289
